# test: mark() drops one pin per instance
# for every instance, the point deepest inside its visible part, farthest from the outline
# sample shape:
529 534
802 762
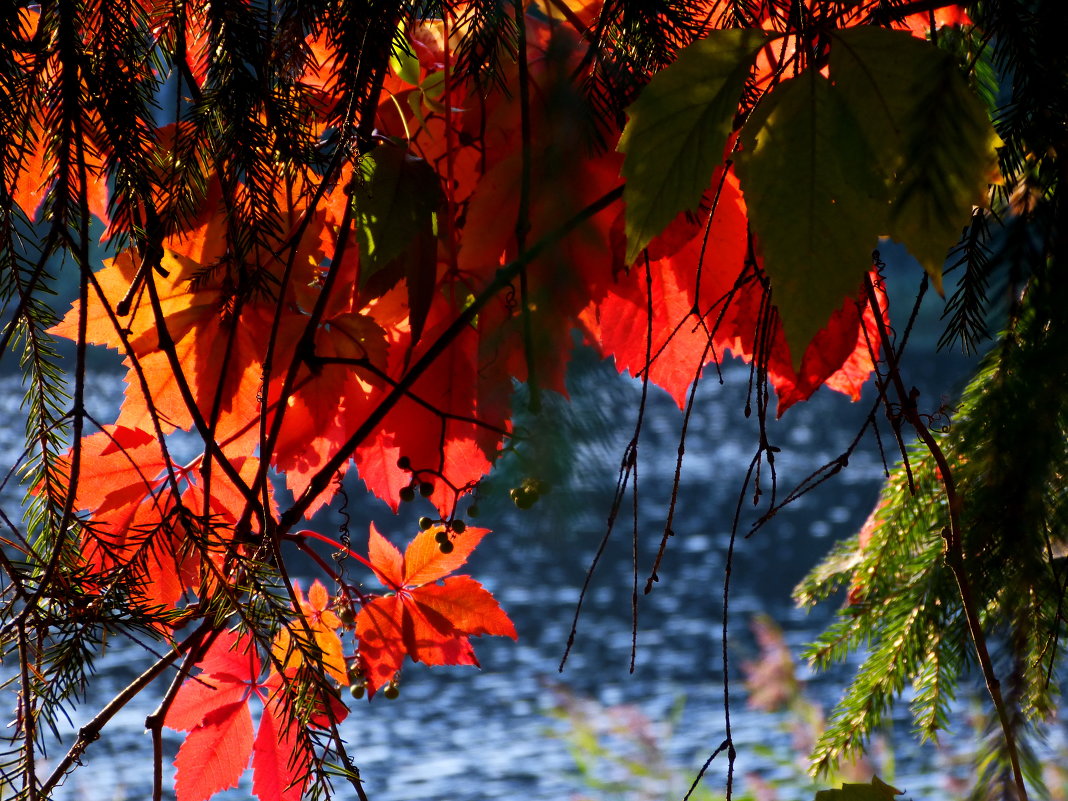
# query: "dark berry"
523 498
404 463
391 691
446 547
425 523
459 526
407 494
357 690
426 489
472 511
442 536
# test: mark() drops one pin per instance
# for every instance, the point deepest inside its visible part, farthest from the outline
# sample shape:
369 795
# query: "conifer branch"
953 538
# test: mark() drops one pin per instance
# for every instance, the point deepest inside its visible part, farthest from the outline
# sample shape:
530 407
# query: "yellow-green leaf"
878 790
404 63
816 204
934 144
677 129
396 199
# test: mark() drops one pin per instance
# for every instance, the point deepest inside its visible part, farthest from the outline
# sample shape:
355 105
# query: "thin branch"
90 732
953 538
501 280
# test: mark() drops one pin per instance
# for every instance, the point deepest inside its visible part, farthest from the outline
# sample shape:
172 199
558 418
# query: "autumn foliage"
368 307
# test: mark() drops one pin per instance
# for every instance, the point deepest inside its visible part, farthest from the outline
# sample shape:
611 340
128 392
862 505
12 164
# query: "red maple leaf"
214 708
698 313
140 521
428 621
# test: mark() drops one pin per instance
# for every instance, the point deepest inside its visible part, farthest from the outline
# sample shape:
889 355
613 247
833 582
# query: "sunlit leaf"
815 203
677 129
931 137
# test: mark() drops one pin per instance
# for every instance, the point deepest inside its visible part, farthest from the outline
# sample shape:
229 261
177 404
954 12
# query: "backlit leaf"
273 775
677 130
429 622
215 754
424 561
930 134
815 202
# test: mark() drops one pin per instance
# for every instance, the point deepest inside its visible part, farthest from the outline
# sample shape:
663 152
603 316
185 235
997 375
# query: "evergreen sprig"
1006 447
968 307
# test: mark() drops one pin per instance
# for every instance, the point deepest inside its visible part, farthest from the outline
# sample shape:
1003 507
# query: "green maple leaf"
934 145
677 129
878 790
815 202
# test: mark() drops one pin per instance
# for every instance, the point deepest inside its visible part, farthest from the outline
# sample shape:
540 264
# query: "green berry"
524 499
391 691
472 511
357 690
459 526
426 489
442 536
346 616
404 463
536 486
407 494
425 523
446 547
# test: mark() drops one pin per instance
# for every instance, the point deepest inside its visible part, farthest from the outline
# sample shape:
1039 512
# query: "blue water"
463 734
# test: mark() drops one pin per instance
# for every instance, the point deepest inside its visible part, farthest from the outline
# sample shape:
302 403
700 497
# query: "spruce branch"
953 537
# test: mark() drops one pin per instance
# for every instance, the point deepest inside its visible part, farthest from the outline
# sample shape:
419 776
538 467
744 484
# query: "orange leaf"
386 560
424 561
322 622
428 622
217 749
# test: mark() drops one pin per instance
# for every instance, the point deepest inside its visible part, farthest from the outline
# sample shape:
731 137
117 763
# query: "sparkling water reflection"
467 735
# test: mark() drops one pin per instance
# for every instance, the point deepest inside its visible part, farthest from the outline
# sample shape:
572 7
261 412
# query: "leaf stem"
315 535
90 732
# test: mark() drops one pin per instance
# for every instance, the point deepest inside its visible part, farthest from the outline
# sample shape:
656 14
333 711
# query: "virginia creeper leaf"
618 320
229 663
215 754
322 623
386 561
427 621
214 708
878 790
930 134
273 775
217 749
815 203
677 129
397 200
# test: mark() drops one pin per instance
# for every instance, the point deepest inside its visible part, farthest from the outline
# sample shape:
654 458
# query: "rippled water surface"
463 734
